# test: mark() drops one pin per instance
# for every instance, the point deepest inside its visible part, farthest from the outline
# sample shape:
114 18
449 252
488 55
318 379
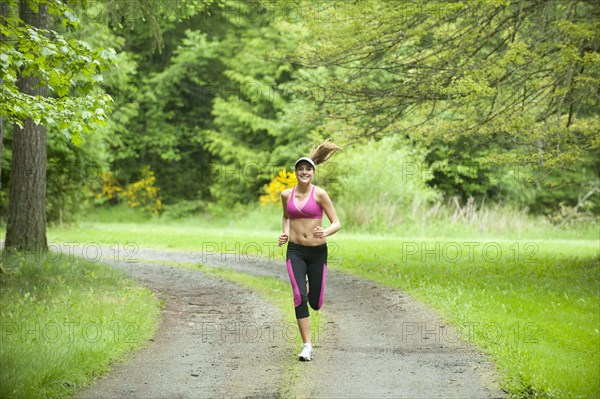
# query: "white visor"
310 161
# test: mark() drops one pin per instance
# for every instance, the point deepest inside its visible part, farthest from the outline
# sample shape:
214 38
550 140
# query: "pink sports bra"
310 209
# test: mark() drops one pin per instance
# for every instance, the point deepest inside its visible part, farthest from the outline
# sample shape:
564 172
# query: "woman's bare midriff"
301 232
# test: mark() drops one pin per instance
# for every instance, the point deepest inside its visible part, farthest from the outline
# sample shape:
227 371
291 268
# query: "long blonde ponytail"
324 151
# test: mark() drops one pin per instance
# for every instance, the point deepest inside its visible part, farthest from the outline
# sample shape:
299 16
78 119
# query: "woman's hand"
283 239
318 232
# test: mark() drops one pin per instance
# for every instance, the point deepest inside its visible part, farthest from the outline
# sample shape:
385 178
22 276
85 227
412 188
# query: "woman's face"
304 172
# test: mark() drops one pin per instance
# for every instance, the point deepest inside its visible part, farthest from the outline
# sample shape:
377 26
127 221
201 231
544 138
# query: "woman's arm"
325 202
285 220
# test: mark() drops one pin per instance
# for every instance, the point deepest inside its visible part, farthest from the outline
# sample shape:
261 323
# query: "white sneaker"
306 354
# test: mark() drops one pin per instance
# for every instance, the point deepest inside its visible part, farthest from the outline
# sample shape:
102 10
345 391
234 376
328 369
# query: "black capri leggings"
308 261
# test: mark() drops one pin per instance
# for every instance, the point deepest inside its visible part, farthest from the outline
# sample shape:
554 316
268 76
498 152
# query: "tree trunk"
3 15
26 224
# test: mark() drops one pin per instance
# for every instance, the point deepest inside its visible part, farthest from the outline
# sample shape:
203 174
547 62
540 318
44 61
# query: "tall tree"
48 81
521 72
214 105
3 16
492 83
26 224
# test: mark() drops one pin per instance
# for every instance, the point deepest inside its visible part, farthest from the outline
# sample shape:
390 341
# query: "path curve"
378 342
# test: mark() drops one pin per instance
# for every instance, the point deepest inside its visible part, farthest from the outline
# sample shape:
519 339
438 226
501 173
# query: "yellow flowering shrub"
143 193
110 187
280 182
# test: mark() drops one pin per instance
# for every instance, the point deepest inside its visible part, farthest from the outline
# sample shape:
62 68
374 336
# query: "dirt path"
218 340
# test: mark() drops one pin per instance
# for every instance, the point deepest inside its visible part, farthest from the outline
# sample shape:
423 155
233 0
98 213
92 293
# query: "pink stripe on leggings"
323 285
297 297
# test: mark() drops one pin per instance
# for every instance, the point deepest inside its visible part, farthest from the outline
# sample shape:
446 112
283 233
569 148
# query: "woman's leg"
304 327
296 266
317 275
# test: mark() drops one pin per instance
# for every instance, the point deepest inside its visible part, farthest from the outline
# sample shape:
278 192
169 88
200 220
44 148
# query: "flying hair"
323 152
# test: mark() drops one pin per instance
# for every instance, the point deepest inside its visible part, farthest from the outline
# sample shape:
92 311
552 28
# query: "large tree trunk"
26 224
3 14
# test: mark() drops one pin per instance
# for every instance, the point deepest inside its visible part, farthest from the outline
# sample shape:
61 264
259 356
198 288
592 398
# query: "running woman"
303 207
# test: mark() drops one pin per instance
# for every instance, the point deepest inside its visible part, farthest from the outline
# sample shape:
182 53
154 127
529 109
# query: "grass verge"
64 322
533 306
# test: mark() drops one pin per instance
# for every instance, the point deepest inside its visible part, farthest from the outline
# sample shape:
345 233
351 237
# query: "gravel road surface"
218 340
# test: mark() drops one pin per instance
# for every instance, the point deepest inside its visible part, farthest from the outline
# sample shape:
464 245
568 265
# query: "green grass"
534 309
64 322
115 214
492 222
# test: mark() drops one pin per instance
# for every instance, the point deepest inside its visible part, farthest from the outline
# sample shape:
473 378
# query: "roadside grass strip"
535 312
64 323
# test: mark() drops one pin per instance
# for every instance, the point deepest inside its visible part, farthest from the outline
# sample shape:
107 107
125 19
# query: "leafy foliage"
488 83
69 67
498 98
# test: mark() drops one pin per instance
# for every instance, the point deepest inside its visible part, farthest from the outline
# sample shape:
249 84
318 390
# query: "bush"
381 184
143 193
282 181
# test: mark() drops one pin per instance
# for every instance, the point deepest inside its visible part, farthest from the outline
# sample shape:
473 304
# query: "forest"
196 106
